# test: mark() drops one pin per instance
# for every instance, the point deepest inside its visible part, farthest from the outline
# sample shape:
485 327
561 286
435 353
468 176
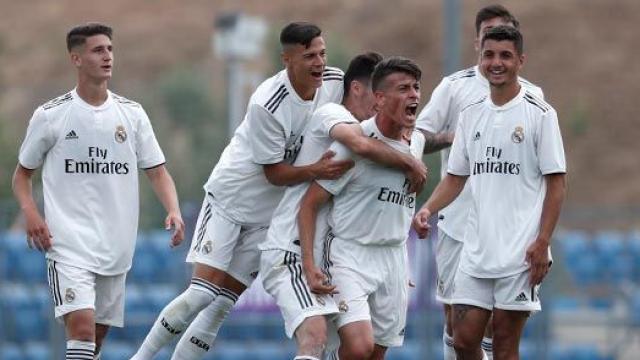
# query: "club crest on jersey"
518 135
343 307
69 295
121 134
207 247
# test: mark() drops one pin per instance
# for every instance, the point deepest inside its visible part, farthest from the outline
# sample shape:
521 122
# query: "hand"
174 221
331 169
421 222
417 176
537 257
318 281
38 235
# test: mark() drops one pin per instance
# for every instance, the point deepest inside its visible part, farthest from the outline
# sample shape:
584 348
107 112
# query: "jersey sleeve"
435 115
37 142
550 149
148 151
337 185
266 137
459 156
333 119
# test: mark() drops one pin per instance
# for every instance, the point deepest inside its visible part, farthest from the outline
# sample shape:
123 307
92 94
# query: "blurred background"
176 59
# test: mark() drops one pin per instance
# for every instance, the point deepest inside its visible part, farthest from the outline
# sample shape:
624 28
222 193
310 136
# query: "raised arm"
311 203
537 254
165 190
351 136
38 234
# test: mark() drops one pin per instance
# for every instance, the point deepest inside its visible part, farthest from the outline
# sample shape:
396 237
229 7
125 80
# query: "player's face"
500 62
488 25
94 59
305 65
399 99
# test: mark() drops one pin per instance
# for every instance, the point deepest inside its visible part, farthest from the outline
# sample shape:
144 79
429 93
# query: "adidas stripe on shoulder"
124 100
332 73
536 101
276 99
57 101
466 73
473 103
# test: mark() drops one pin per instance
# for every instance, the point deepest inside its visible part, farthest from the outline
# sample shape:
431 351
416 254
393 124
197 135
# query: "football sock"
80 350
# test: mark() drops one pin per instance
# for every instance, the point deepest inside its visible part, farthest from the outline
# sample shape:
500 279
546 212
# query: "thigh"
469 290
507 330
516 293
352 297
283 279
110 297
72 288
448 253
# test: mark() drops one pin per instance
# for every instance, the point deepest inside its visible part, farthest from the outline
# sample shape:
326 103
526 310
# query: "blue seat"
23 264
116 350
145 266
564 304
138 317
232 351
409 351
23 312
586 269
574 243
270 351
170 258
10 351
37 351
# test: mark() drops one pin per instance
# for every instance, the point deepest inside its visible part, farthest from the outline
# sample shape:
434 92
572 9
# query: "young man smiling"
509 146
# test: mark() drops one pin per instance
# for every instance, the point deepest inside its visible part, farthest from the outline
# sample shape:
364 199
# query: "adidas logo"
71 135
522 297
477 137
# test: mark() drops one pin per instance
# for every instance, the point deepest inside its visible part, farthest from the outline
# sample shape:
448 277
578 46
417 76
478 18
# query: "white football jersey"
283 232
505 151
90 157
270 134
441 115
371 203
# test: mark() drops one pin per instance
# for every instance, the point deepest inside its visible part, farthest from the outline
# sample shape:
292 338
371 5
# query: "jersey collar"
292 91
513 102
88 106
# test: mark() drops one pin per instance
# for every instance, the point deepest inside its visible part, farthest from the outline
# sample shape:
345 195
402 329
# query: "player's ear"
74 56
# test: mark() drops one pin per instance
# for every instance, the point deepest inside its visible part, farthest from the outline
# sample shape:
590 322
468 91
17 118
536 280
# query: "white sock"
447 346
201 334
487 347
97 357
80 350
176 316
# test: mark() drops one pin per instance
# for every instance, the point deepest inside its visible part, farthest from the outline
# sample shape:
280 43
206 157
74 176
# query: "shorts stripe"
296 280
203 226
56 285
204 284
326 255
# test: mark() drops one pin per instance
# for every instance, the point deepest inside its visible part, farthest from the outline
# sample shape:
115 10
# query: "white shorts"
73 289
220 243
509 293
373 286
283 278
447 259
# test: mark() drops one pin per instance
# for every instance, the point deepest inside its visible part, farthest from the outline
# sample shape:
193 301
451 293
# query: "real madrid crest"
207 247
121 134
69 295
518 135
343 307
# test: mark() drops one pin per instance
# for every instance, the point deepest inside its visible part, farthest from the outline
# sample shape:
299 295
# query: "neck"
501 95
304 92
388 127
93 93
350 104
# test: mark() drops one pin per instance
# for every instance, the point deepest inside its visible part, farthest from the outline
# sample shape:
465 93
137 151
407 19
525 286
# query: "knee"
312 338
358 350
463 344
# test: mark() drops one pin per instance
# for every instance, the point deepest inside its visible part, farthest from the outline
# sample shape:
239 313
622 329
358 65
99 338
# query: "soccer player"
90 143
509 145
369 220
437 121
246 186
300 299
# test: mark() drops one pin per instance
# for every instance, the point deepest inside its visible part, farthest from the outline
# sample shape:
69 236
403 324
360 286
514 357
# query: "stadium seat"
169 258
158 296
574 243
37 351
409 351
270 351
23 264
231 351
145 266
561 303
10 351
586 269
22 312
138 317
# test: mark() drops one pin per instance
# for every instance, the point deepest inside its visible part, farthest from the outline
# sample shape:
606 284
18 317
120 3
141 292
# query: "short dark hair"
494 11
360 69
505 33
79 34
299 33
393 65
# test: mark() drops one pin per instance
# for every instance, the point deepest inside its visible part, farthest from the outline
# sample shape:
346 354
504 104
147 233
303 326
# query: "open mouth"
106 67
317 74
411 109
